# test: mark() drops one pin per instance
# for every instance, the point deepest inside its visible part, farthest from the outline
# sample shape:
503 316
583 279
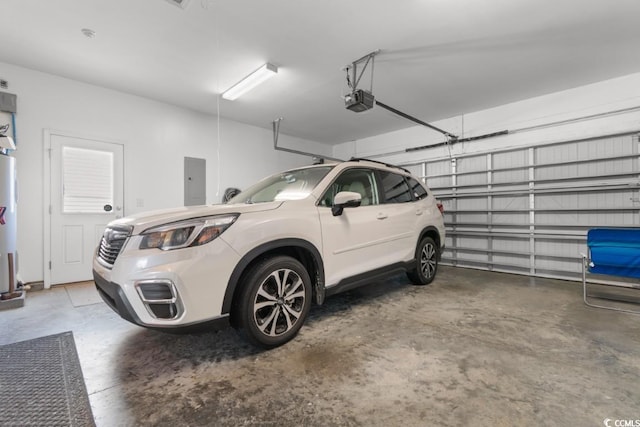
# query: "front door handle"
382 216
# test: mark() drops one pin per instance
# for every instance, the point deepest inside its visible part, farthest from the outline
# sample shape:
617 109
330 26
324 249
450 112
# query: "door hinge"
49 265
50 210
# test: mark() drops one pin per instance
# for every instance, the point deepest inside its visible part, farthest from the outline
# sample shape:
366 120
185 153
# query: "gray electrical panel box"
8 102
195 181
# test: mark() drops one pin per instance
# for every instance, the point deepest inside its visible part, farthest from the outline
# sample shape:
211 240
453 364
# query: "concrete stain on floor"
473 348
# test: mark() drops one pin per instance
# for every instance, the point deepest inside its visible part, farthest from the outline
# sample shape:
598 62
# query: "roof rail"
362 159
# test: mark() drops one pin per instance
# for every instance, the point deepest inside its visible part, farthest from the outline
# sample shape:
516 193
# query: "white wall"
594 99
156 138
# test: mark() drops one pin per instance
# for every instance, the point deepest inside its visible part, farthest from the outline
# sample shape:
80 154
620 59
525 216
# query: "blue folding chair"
612 252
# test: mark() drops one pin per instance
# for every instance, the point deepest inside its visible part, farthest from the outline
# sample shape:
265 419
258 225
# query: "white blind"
87 180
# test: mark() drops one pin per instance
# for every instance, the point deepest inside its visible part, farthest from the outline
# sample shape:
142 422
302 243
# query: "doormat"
41 384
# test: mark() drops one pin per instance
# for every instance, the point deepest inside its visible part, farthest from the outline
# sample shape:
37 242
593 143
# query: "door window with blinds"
87 182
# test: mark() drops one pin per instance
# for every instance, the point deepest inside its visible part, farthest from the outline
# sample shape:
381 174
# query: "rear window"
395 188
418 190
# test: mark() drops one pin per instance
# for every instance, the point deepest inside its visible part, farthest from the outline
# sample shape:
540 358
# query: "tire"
274 302
426 260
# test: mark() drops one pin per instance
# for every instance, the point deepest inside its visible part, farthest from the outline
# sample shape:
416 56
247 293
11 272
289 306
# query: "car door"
403 216
358 240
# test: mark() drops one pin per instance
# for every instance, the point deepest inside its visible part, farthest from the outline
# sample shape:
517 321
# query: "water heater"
8 226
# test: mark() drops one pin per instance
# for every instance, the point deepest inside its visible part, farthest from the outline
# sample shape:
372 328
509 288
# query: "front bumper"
112 294
196 277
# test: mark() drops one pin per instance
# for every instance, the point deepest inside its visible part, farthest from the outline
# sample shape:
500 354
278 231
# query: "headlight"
194 232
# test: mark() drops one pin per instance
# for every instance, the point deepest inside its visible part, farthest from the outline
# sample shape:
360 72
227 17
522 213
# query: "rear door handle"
419 211
382 216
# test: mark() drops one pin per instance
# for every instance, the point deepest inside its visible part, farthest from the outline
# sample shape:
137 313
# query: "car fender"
431 230
257 252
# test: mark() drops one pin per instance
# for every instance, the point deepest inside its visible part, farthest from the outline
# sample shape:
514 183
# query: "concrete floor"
473 348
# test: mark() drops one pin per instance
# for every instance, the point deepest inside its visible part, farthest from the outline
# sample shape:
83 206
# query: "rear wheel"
426 262
274 302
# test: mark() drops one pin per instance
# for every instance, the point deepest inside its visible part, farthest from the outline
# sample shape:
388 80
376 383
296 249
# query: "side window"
395 188
418 190
357 180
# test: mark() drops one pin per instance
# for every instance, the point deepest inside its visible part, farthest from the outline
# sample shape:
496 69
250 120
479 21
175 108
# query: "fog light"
160 297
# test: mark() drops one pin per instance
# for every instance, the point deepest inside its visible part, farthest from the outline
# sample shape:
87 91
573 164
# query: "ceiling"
438 58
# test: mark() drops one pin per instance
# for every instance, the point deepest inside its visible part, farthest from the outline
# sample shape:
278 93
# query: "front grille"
111 244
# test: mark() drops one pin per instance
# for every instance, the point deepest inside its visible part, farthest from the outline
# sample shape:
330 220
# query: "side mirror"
345 199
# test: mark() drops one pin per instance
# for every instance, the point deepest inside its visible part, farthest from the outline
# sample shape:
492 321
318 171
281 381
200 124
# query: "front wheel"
274 302
426 262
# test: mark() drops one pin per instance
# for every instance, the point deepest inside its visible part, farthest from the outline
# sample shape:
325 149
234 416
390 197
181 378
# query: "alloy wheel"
279 302
428 262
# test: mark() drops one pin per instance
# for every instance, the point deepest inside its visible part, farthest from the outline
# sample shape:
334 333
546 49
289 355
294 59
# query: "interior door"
86 194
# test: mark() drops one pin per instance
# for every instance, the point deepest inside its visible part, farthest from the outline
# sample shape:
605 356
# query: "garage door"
527 210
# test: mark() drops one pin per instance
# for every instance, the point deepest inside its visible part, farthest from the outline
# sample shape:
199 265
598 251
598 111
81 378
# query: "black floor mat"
41 384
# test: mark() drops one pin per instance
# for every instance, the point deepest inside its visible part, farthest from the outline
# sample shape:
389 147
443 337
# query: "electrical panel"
8 102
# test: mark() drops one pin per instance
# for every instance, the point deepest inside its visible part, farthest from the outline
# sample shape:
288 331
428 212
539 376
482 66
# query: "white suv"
259 260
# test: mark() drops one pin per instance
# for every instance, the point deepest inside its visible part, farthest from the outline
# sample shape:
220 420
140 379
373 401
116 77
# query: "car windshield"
291 185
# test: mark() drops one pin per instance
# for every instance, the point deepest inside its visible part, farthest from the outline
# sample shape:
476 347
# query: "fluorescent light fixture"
260 75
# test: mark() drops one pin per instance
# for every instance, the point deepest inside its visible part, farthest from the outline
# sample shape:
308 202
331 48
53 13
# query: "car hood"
145 220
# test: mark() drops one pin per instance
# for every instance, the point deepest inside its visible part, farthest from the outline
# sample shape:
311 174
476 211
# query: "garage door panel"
611 201
515 260
556 201
473 256
474 243
602 148
510 245
448 241
510 159
556 172
583 172
585 219
472 179
561 153
440 182
550 265
441 167
466 218
471 203
506 177
559 249
510 218
472 164
439 174
610 167
510 202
